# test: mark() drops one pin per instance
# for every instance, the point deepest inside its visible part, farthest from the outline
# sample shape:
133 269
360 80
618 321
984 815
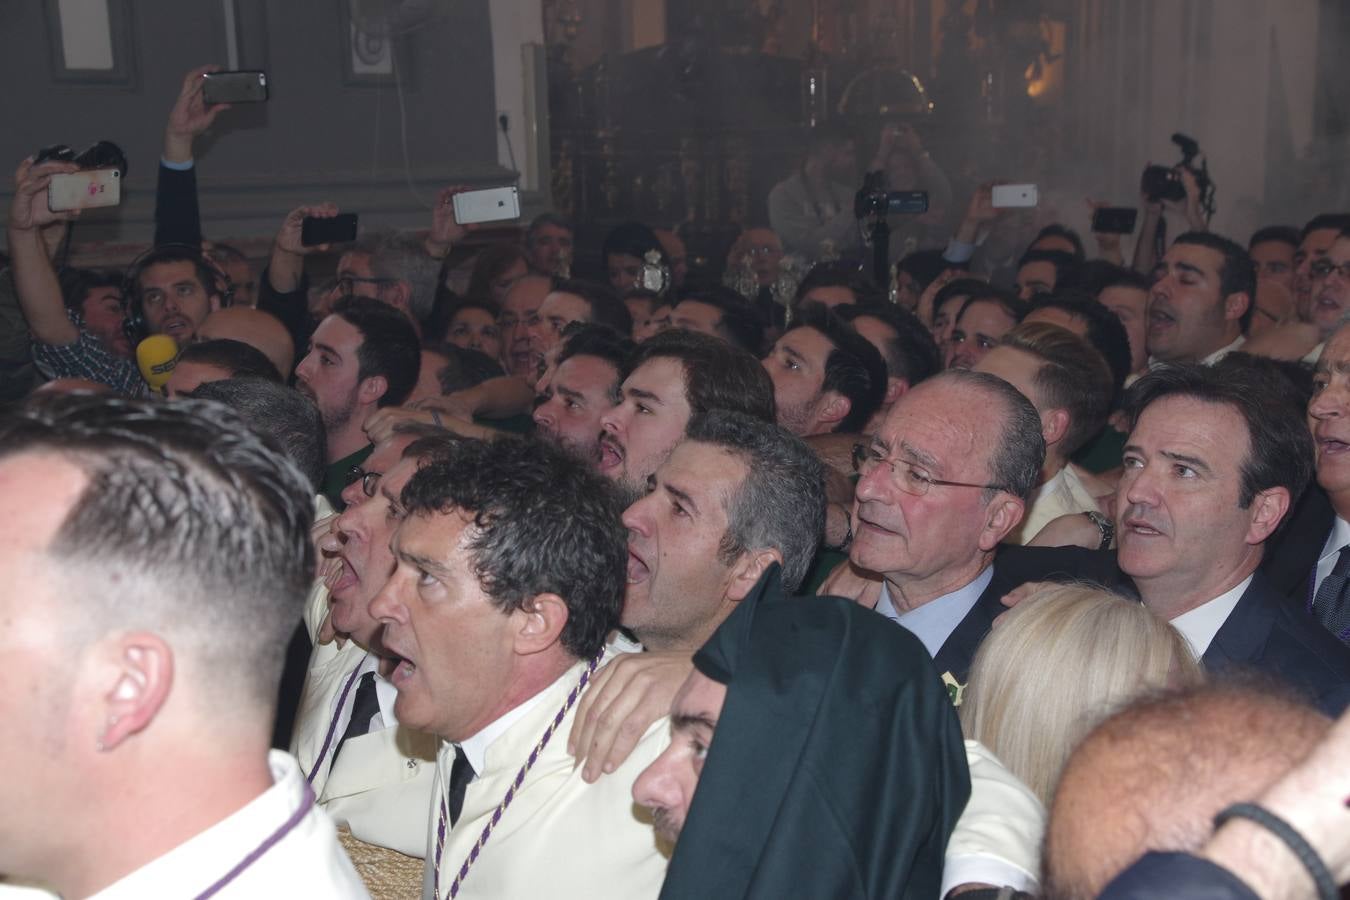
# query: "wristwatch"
1104 525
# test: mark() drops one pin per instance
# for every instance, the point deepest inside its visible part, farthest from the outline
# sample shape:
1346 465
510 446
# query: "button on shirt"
1199 625
935 621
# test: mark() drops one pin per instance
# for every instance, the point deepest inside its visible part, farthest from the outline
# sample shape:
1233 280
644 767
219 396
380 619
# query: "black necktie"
364 708
1331 606
461 773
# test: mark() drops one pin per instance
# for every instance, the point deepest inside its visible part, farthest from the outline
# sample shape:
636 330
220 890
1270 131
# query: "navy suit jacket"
1015 566
1267 633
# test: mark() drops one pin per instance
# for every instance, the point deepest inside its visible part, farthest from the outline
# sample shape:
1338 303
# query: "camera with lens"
873 199
102 155
1159 183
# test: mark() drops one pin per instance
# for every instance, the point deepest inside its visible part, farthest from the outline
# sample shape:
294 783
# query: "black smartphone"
337 229
1114 219
234 87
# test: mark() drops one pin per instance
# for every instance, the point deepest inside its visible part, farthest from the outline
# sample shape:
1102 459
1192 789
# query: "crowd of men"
524 583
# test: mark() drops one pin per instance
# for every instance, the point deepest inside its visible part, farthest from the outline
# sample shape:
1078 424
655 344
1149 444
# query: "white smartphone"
1015 196
490 205
84 190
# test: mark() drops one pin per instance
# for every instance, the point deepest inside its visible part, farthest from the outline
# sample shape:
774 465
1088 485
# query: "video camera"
873 199
1160 183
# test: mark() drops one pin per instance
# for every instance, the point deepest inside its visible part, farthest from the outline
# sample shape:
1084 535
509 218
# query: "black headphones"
134 325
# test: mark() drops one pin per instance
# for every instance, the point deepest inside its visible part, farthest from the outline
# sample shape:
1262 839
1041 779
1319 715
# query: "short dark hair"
632 239
960 287
236 357
290 419
544 523
1055 229
781 502
1015 308
189 520
716 374
912 355
76 285
1325 222
924 266
1065 265
490 264
1281 448
605 305
1105 332
1120 276
854 368
741 325
1237 272
389 345
835 274
1019 453
593 339
1073 377
539 221
464 368
1281 234
213 283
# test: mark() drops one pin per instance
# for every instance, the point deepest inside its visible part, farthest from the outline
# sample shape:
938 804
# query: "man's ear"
398 295
832 408
1003 514
1267 509
1235 304
213 302
1054 425
540 623
140 676
371 389
749 568
895 389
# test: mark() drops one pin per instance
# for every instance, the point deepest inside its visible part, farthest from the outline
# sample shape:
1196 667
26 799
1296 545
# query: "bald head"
260 330
1153 776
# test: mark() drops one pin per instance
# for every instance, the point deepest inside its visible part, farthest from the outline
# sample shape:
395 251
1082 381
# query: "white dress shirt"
997 840
1198 626
935 621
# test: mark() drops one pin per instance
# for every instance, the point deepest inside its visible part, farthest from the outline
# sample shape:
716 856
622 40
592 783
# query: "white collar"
1199 626
1212 358
194 865
1339 537
476 747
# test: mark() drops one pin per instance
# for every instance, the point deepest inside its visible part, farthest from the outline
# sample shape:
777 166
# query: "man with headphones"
172 289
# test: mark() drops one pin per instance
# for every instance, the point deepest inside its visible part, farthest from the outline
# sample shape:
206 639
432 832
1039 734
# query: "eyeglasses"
369 480
346 284
1323 268
905 476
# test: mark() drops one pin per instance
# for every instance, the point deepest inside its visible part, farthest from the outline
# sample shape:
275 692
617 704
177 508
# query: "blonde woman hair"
1058 663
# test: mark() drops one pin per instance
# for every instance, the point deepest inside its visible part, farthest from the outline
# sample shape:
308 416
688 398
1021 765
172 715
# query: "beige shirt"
1064 494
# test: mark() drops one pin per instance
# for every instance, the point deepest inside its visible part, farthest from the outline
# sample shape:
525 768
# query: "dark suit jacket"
1291 556
1015 566
1267 633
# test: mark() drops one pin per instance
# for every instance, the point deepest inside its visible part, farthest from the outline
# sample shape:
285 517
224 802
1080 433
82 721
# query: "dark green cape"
837 768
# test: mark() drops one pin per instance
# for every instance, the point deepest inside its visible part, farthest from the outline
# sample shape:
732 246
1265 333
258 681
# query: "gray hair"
1019 452
781 503
401 257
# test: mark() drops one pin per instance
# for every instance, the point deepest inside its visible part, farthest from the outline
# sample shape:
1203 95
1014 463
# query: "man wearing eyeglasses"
1331 286
368 772
943 481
